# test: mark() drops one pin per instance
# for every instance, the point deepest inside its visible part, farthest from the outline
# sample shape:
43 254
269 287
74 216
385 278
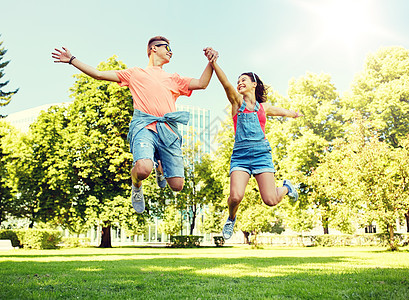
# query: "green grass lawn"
205 273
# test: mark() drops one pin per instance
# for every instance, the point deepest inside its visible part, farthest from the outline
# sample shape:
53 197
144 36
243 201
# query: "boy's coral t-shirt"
154 91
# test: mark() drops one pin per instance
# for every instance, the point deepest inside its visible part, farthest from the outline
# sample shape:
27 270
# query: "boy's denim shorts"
253 158
147 145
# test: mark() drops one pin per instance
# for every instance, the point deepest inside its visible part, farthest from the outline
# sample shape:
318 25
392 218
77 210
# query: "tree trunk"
407 221
254 238
106 237
193 219
393 245
32 217
325 225
192 225
246 237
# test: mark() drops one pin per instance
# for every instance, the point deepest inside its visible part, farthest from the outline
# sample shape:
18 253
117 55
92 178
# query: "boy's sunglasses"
167 47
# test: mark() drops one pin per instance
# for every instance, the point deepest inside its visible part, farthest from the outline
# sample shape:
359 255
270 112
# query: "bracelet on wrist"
71 59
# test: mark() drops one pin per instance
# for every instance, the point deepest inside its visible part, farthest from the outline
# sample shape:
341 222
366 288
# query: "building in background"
22 119
198 128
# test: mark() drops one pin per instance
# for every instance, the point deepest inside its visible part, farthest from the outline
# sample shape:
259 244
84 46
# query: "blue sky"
277 39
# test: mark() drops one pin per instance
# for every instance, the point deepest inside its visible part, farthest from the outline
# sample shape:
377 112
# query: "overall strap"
257 106
243 106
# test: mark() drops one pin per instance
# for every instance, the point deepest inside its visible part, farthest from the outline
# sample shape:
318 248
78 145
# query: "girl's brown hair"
261 90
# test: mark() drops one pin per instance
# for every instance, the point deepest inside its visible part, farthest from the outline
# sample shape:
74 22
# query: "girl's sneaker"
292 192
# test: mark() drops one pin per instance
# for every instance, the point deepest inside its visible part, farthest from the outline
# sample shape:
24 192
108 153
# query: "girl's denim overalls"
251 151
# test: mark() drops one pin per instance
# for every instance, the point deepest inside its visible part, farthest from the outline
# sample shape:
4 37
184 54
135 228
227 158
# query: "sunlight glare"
345 20
342 22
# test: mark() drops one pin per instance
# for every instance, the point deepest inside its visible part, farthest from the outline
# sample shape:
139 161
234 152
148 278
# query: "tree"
331 180
202 186
45 178
299 217
299 145
214 218
7 200
383 182
29 169
5 97
259 219
97 140
115 211
171 221
371 177
380 93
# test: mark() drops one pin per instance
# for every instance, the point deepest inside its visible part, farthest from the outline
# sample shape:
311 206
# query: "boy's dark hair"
153 41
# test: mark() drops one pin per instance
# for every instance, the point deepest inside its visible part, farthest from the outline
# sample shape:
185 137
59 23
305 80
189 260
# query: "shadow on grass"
386 250
56 254
206 278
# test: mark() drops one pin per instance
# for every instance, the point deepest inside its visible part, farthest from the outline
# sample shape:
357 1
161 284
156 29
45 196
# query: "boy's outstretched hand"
298 114
61 56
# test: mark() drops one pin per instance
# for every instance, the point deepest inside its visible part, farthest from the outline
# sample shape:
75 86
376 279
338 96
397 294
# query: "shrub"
326 240
219 241
367 239
185 241
10 235
39 238
75 242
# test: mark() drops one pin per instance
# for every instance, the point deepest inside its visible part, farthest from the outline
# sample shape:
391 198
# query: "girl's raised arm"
234 97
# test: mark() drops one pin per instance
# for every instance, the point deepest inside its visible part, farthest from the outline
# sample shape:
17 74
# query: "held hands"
211 54
297 114
63 56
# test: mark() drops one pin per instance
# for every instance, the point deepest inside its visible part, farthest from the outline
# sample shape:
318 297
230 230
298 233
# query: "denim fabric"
147 145
164 145
141 119
251 151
